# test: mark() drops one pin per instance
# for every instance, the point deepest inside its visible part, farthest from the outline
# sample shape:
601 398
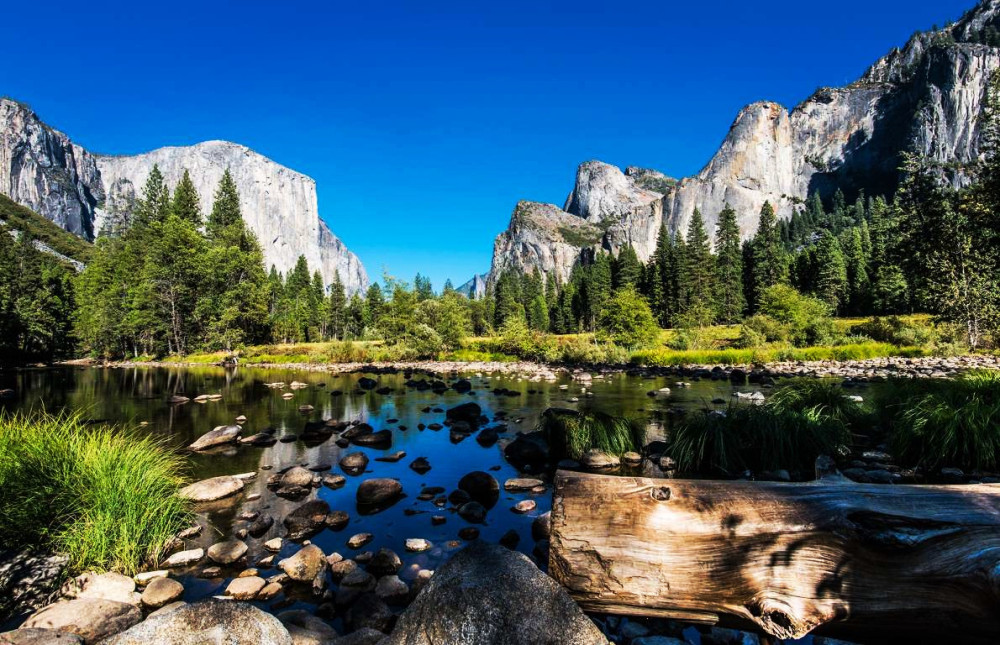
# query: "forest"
164 279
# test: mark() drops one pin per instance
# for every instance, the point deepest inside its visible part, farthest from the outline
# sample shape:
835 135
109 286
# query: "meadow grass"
103 496
571 433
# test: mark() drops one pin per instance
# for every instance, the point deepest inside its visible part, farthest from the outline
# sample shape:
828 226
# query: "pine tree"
858 285
626 268
154 206
374 306
423 288
699 266
769 263
831 272
597 288
186 204
729 268
225 208
337 308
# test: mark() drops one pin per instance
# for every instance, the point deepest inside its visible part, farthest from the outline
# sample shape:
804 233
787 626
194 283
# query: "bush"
571 434
947 423
104 497
758 330
627 320
806 319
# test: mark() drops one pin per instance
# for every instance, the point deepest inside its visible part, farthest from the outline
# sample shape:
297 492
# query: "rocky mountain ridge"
924 98
42 169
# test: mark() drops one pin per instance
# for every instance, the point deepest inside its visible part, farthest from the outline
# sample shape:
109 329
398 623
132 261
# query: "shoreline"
861 369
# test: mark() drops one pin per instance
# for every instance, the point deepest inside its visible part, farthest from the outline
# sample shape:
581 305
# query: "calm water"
134 396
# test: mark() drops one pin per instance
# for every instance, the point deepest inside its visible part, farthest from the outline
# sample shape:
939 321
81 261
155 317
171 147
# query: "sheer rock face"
924 98
43 170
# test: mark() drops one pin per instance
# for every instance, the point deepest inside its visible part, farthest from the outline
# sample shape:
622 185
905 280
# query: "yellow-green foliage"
103 496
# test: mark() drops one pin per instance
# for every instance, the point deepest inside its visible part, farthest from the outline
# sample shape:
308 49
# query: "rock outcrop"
924 98
41 168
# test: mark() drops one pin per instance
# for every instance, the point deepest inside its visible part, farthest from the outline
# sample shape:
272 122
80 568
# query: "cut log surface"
916 560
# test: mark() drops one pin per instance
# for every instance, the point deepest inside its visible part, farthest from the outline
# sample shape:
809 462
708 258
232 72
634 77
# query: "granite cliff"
42 169
924 98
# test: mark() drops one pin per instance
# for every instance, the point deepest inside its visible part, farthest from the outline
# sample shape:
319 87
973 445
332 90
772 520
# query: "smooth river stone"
209 490
521 484
217 437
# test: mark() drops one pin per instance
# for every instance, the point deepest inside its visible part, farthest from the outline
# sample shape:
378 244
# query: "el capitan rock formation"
41 168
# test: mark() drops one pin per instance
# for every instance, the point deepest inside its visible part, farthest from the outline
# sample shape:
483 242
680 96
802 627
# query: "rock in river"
377 494
208 490
354 463
161 591
307 520
221 435
208 621
464 604
305 565
482 487
227 552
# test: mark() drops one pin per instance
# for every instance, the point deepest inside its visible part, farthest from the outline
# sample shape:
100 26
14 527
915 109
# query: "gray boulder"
28 582
468 601
92 619
209 622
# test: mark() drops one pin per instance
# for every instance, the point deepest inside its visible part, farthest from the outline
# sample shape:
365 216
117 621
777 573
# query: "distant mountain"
924 98
42 169
475 287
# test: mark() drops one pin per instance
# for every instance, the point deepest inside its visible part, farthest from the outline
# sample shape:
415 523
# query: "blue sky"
424 123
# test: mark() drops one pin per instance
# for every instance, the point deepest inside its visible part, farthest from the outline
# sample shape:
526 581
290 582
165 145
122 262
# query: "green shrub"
758 330
571 434
946 422
103 496
627 320
806 319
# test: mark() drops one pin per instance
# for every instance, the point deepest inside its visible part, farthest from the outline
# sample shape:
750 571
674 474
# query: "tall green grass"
571 433
103 496
934 423
756 437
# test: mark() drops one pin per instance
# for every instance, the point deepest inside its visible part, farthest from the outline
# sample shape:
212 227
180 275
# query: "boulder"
378 494
245 587
183 558
37 636
227 552
307 520
354 463
103 586
28 582
420 465
307 629
481 487
161 592
305 564
220 436
468 412
208 621
209 490
468 601
92 619
297 476
385 562
529 452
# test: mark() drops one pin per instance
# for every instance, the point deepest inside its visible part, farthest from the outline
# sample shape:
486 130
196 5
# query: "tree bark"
854 559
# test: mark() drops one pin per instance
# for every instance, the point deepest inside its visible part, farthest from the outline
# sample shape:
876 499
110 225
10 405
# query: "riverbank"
862 370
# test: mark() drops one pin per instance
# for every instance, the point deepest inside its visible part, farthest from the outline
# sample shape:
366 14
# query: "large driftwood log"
852 558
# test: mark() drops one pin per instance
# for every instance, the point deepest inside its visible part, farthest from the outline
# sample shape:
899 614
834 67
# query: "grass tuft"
104 497
571 433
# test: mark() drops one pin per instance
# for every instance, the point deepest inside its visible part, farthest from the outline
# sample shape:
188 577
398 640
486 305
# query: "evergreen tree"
769 264
699 266
186 202
225 208
337 308
729 268
856 260
374 306
423 288
831 272
626 268
154 206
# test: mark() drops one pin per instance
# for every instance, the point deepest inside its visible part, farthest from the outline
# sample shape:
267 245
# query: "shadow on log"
876 563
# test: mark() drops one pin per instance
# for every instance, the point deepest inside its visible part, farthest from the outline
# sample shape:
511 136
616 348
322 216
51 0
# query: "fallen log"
853 559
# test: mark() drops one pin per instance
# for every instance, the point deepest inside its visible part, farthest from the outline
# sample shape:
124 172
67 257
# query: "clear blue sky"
423 123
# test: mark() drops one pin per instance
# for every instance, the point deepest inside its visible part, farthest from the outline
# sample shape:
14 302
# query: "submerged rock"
307 520
378 494
481 487
219 436
468 601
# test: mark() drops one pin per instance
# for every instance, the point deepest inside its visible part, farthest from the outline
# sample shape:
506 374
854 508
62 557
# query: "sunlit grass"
103 496
571 433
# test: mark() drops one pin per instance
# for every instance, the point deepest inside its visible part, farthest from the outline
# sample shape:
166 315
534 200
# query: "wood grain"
917 560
